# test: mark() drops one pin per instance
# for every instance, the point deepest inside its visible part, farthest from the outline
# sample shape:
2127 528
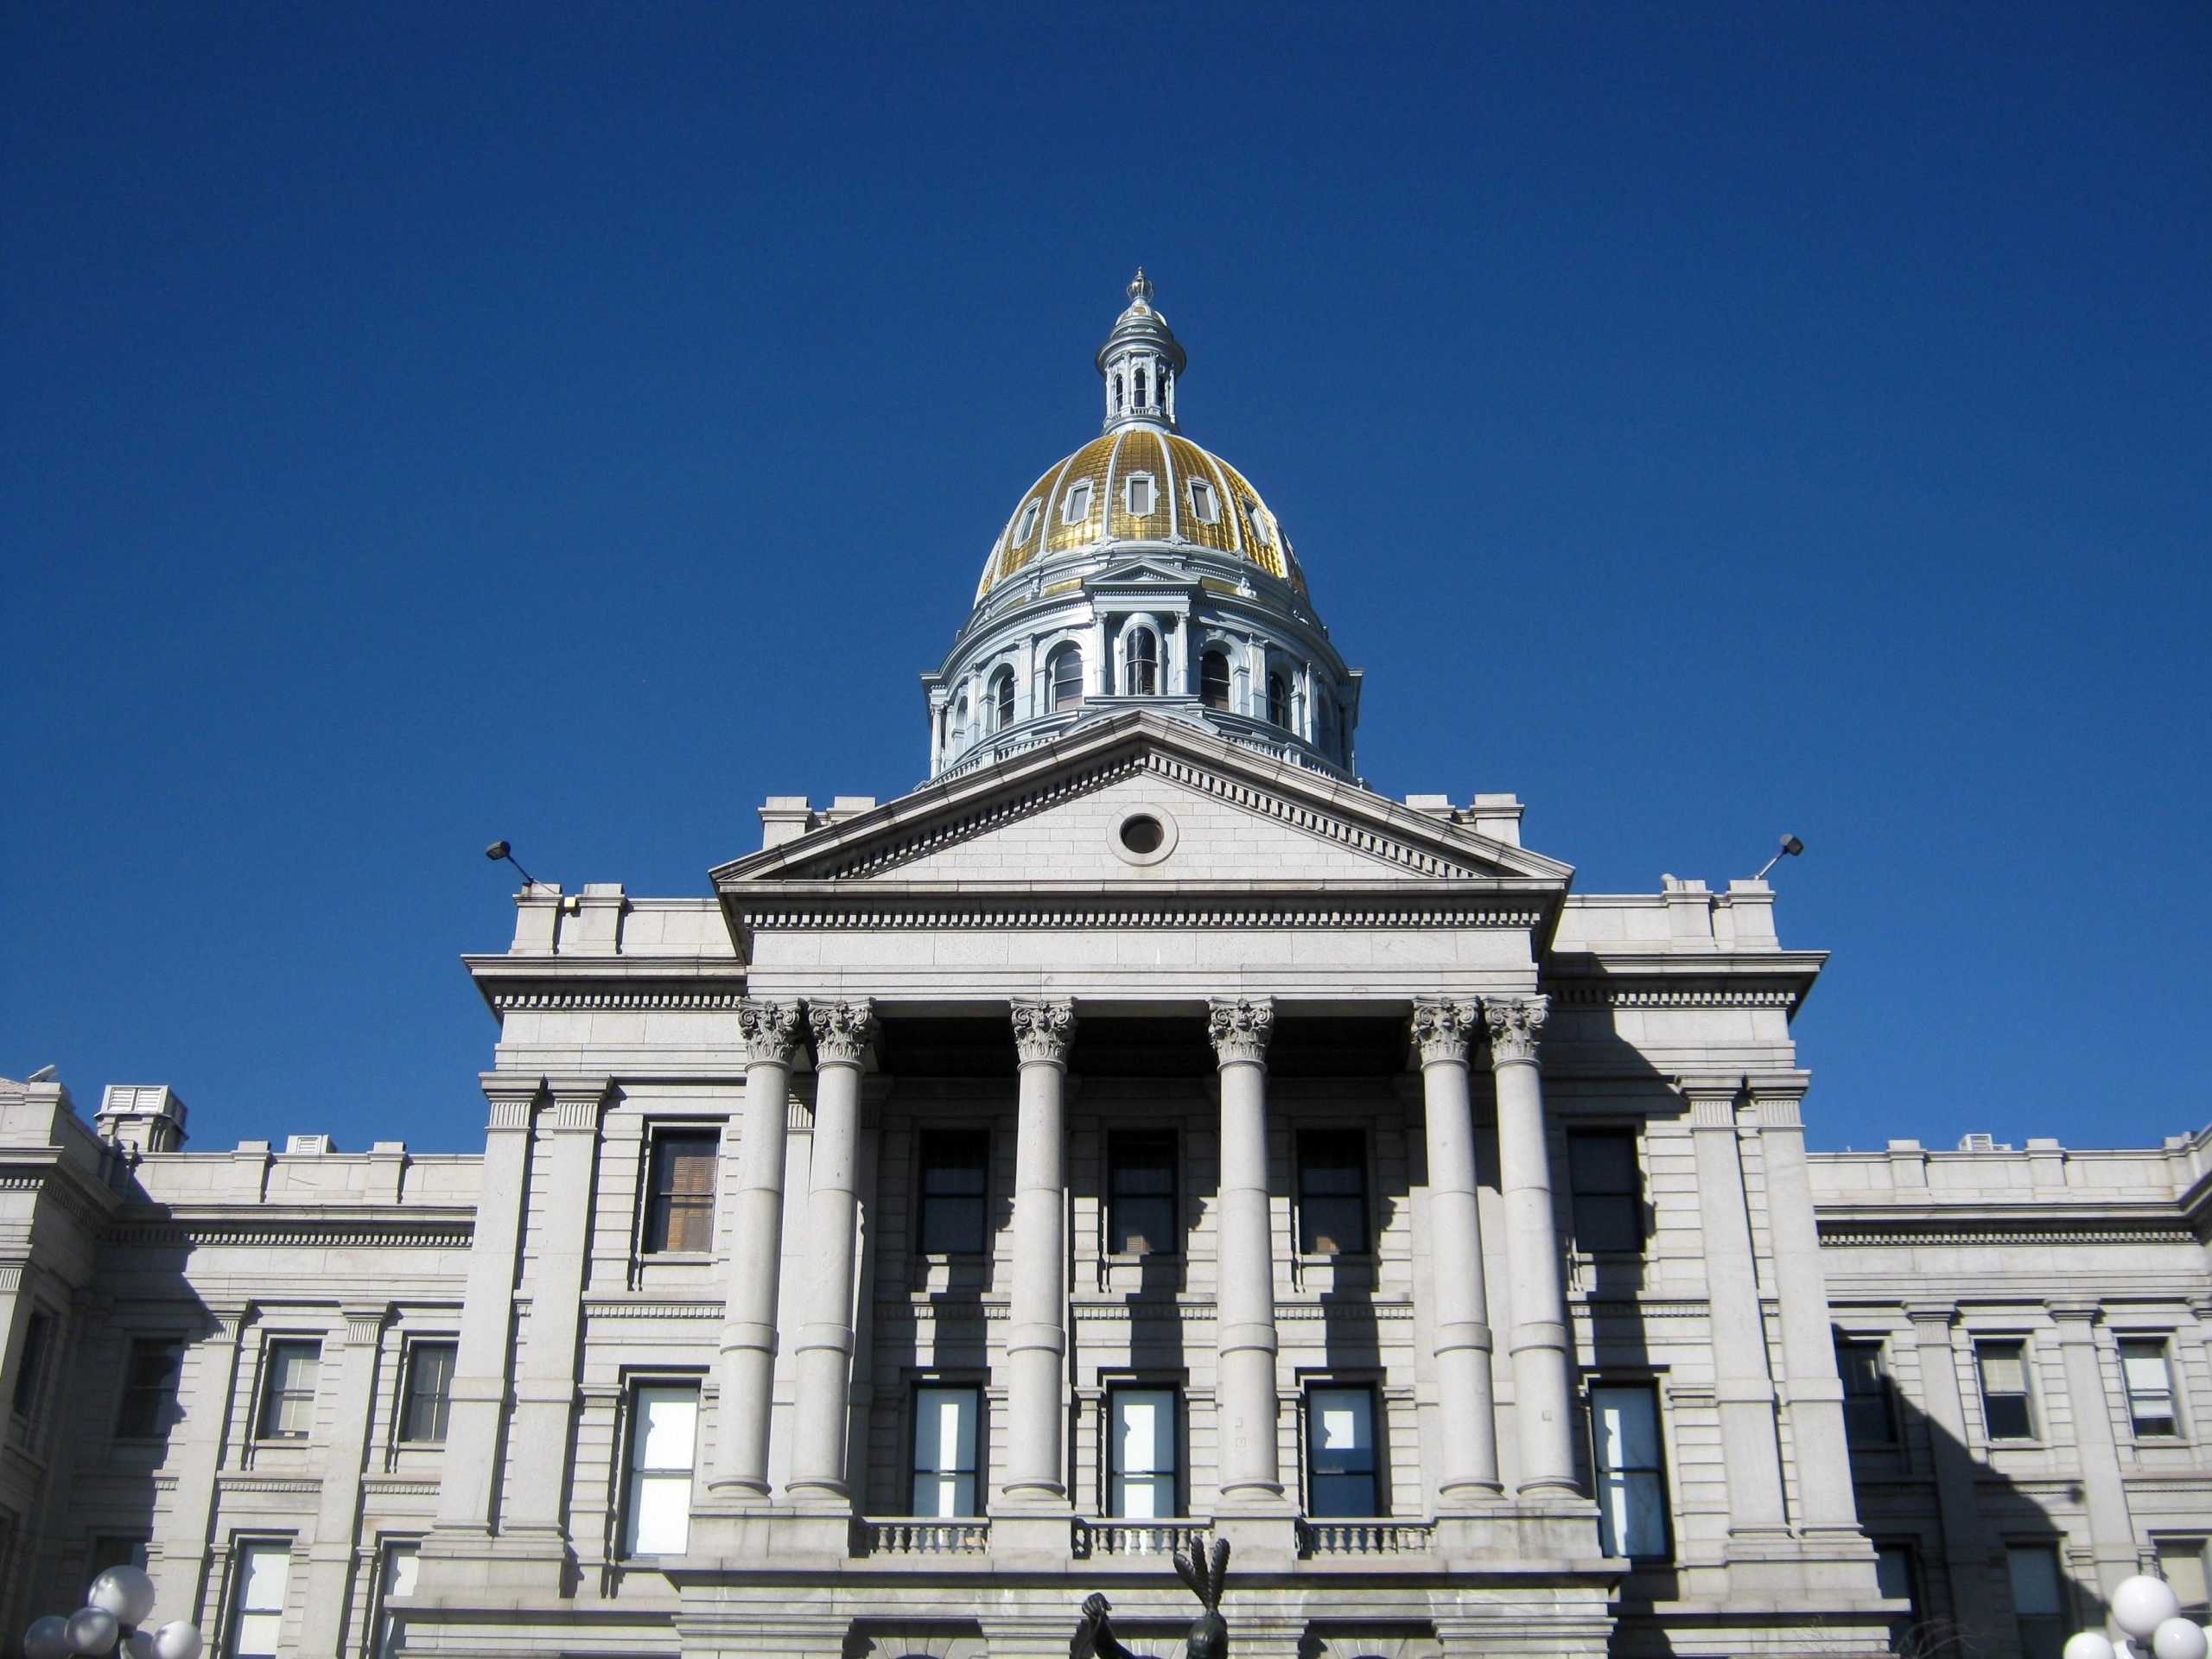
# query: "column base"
1552 1537
1033 1536
785 1534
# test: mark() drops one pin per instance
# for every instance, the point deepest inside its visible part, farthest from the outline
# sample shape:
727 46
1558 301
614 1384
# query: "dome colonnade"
1143 571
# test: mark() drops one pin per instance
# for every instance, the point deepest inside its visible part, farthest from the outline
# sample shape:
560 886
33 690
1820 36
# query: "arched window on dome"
1278 700
1139 663
1142 400
1063 675
1117 392
960 723
1025 525
1002 699
1213 679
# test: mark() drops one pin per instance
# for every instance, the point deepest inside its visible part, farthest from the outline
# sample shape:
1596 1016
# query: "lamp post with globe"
114 1620
2149 1616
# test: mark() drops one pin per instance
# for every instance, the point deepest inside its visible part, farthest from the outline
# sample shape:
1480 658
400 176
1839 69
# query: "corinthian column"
1467 1466
1538 1342
1036 1336
1244 1319
842 1032
756 1248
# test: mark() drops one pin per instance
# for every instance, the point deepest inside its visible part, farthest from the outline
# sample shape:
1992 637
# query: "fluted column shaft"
824 1351
1244 1392
1037 1334
1467 1464
1538 1341
751 1270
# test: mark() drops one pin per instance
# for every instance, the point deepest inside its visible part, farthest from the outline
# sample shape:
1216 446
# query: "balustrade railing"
1161 1538
926 1537
1362 1537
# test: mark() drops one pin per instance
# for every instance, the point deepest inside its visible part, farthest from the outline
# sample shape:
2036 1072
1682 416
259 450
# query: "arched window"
1141 398
1002 699
1278 700
1026 526
960 720
1117 393
1064 668
1140 667
1213 679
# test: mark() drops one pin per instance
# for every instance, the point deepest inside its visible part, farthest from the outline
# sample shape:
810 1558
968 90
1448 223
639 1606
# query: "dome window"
960 723
1002 699
1141 399
1025 525
1263 529
1064 670
1140 664
1117 394
1139 496
1213 680
1278 700
1205 505
1076 507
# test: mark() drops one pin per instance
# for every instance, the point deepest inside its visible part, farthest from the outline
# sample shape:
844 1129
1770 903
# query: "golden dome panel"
1240 524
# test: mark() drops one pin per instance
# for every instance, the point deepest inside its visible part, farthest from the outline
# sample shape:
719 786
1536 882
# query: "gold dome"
1099 495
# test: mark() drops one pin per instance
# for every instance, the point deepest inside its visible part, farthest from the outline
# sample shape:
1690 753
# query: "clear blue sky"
428 424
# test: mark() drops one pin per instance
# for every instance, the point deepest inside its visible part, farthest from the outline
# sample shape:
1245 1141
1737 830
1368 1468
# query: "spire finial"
1140 288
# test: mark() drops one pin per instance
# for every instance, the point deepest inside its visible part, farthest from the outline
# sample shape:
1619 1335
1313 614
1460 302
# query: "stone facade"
1139 1135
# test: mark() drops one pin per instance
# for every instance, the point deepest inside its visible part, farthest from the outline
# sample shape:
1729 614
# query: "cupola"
1140 361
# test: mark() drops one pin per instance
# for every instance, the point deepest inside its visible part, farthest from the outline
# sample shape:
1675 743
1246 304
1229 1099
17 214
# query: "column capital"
843 1031
365 1324
2075 1319
1043 1030
1515 1022
1239 1028
513 1095
577 1100
770 1030
1442 1029
1929 1317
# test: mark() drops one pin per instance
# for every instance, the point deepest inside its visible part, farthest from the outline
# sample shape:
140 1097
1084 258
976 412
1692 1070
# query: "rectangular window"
1897 1575
954 1165
1141 1217
1340 1463
287 1392
2181 1564
1332 1192
664 1442
948 1423
263 1570
1868 1418
1608 1192
1074 506
30 1368
1631 1472
680 1208
1140 494
2150 1381
2003 1366
398 1579
148 1389
429 1391
2038 1599
119 1549
1205 505
1143 1425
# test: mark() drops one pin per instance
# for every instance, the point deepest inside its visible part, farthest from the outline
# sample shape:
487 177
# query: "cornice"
2047 1223
444 1227
1128 904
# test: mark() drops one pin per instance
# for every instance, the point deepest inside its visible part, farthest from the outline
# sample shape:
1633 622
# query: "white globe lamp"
2178 1638
48 1638
180 1639
2142 1604
2089 1644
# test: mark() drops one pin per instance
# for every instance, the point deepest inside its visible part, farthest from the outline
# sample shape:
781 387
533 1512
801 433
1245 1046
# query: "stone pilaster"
207 1387
1037 1333
1975 1606
2112 1528
331 1552
1251 1475
1743 1383
751 1270
1466 1471
823 1354
476 1427
1541 1392
541 1446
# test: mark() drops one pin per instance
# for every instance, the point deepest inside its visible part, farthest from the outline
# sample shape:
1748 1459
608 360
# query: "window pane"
1141 1194
400 1561
262 1574
1893 1571
660 1514
680 1214
2004 1368
2035 1581
952 1193
1340 1452
1867 1421
667 1428
1607 1190
664 1442
288 1406
429 1390
2005 1391
946 1424
2181 1564
1332 1192
2150 1387
148 1388
1143 1448
1631 1479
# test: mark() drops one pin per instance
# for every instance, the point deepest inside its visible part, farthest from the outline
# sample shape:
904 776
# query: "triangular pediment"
1227 816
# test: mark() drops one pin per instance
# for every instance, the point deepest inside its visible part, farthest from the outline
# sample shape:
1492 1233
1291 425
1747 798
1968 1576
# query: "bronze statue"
1208 1636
